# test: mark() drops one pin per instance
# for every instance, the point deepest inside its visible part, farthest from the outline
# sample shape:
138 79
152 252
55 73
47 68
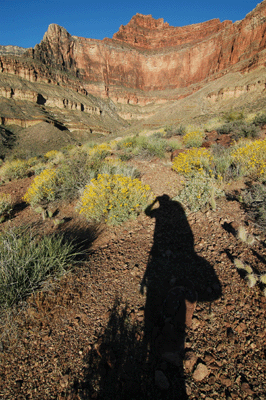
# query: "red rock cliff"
148 55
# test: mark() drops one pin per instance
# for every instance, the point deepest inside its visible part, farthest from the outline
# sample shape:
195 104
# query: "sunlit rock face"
147 59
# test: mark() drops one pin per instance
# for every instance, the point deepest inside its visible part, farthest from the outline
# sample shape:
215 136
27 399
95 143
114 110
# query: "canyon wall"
147 60
148 55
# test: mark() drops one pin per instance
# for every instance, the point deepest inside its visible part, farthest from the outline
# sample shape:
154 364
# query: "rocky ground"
156 311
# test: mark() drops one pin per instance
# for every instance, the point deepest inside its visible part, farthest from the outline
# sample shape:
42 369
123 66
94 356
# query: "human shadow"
135 359
174 280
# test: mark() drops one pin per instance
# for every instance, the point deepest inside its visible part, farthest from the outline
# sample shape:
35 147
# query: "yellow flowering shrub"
54 156
100 151
193 139
113 198
43 188
194 160
251 158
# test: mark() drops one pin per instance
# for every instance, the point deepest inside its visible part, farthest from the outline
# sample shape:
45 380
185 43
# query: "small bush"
260 120
73 174
251 159
54 156
223 163
193 139
113 198
175 131
15 169
193 161
234 116
142 147
27 261
238 130
199 191
100 151
43 188
115 166
5 205
255 203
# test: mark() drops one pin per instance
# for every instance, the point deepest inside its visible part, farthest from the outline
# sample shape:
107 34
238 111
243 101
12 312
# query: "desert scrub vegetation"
239 129
260 119
117 166
28 261
43 188
54 157
6 205
199 191
193 139
15 169
250 157
254 200
113 199
142 147
171 131
193 161
251 277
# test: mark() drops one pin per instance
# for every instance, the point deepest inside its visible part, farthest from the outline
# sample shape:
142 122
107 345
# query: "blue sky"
24 22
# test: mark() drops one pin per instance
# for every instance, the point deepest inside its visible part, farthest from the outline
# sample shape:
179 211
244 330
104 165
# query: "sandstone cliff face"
147 60
148 55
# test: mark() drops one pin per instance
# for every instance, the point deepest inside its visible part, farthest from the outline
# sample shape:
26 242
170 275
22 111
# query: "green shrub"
142 147
113 198
174 131
199 191
254 200
5 205
223 163
115 166
74 173
15 169
260 120
238 130
234 116
27 261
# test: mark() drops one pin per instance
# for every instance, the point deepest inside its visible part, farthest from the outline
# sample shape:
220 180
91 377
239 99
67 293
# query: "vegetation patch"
193 161
199 191
28 261
193 139
251 159
113 198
